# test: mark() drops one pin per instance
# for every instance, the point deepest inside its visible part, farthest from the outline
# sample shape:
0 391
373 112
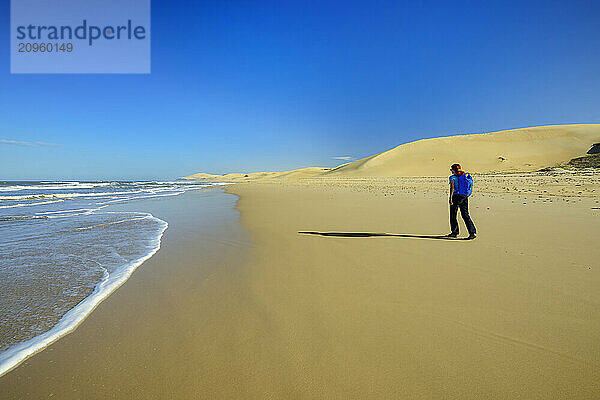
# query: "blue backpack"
465 184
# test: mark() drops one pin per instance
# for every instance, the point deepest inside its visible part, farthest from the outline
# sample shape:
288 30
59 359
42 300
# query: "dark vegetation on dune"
595 149
591 161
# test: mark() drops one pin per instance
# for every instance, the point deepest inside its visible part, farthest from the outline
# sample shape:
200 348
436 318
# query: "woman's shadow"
371 234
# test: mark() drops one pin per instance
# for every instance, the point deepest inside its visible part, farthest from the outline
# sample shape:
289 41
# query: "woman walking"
461 187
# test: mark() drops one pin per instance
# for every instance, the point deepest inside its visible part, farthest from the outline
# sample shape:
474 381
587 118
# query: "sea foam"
44 248
16 354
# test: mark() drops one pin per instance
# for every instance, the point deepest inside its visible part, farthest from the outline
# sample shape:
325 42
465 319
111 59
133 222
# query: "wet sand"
146 340
375 308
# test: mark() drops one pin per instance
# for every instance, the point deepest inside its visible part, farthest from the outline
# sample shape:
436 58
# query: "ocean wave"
43 196
76 211
67 211
55 186
10 358
22 217
109 223
149 196
31 204
152 185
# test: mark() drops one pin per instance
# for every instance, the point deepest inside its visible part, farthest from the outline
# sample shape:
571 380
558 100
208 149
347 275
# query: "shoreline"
265 311
90 350
11 356
15 355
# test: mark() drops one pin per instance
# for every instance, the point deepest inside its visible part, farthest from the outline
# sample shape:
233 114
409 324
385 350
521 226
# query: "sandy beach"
300 200
366 303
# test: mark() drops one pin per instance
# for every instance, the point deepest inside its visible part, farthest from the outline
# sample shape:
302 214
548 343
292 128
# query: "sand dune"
515 150
253 176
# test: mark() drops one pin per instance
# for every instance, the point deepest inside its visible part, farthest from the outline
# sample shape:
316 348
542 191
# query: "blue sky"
261 85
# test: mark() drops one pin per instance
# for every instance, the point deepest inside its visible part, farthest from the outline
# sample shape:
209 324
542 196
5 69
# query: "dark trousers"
462 202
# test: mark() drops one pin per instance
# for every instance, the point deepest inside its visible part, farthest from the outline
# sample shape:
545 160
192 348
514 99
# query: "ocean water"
62 251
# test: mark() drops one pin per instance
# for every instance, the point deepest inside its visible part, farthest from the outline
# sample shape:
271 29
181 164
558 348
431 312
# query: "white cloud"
344 158
27 144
